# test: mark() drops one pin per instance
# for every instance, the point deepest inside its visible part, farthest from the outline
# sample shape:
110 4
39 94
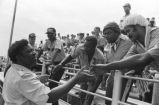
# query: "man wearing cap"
127 8
101 42
117 47
54 48
144 52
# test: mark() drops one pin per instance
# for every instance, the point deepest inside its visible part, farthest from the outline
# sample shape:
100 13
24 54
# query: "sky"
67 16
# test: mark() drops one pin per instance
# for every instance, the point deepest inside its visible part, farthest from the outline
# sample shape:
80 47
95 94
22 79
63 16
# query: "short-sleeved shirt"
22 87
51 46
79 51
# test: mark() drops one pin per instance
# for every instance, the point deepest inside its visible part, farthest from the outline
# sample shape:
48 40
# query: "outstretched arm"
59 91
132 62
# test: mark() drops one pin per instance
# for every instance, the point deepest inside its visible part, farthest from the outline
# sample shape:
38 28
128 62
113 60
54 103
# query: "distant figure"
59 36
73 40
148 19
152 22
41 44
32 39
81 38
101 42
127 8
87 34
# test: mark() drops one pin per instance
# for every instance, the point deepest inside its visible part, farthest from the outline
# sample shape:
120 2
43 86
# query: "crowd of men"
130 45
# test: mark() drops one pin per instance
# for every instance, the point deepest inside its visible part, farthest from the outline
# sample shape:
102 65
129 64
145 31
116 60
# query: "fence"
117 86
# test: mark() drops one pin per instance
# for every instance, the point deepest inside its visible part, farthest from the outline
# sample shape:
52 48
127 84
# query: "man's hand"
43 78
83 76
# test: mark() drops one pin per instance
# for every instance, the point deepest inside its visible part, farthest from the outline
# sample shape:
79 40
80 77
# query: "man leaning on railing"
145 48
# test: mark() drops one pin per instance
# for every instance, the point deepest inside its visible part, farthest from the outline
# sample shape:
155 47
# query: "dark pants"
56 76
109 88
86 99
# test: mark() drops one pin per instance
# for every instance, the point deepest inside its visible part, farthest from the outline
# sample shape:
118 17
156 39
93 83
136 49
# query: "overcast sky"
67 16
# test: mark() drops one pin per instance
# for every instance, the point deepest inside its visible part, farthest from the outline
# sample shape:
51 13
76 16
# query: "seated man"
21 85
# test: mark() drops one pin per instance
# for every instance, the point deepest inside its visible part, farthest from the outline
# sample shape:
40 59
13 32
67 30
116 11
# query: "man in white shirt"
22 86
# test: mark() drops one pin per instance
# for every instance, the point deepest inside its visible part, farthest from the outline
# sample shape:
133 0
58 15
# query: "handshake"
83 75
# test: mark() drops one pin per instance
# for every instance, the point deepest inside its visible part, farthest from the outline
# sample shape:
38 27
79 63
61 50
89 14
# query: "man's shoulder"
125 39
23 72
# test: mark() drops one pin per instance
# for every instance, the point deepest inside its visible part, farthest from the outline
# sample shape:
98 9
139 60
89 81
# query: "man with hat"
144 53
55 52
117 47
127 8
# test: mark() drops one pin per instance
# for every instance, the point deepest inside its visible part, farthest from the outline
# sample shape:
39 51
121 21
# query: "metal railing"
117 86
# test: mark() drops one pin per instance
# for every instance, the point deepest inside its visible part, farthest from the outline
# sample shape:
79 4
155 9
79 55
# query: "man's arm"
59 91
66 60
132 62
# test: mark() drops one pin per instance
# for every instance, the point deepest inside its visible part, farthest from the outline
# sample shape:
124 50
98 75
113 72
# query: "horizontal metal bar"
137 78
106 98
123 103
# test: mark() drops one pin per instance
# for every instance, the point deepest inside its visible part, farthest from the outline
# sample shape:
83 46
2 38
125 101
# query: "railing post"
116 87
43 69
155 97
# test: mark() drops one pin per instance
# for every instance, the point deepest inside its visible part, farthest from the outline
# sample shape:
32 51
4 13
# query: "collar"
21 68
121 37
